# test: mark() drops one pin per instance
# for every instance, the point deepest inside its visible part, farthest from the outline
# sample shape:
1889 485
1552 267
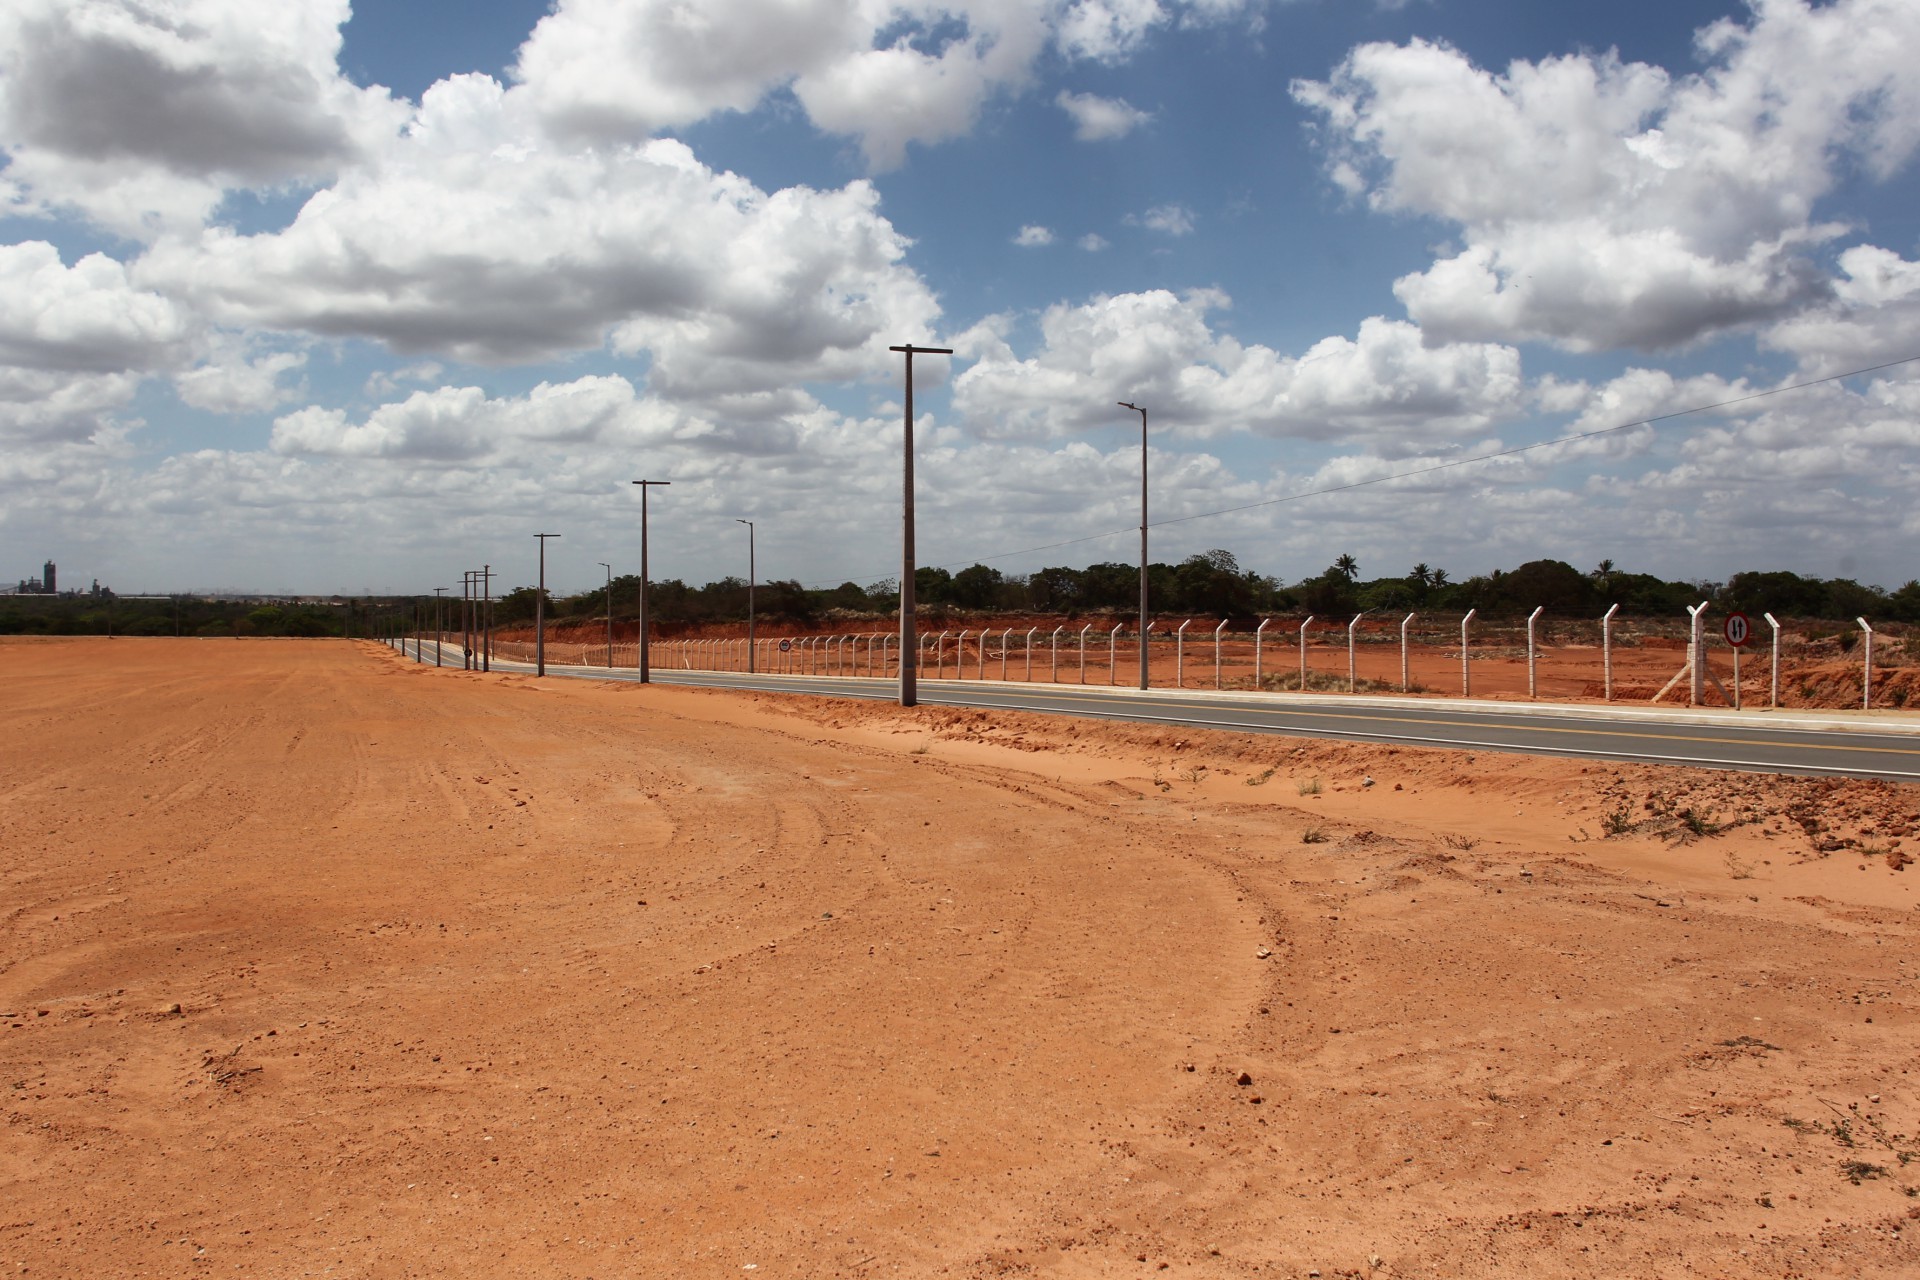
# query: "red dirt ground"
318 962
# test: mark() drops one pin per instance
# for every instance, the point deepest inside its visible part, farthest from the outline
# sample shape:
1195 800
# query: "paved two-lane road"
1877 745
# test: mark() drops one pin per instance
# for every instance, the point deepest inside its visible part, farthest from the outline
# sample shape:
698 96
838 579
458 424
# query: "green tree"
975 587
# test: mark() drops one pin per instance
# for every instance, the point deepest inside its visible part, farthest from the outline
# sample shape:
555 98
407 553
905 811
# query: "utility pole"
646 669
609 568
436 624
1124 404
540 610
750 579
909 654
486 610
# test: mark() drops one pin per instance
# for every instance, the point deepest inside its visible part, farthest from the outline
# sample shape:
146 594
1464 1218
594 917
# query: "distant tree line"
87 615
1213 584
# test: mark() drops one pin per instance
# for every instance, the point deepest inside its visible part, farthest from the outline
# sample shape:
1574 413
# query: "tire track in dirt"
426 1024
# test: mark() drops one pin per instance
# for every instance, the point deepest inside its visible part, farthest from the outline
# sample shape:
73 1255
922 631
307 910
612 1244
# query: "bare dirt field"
317 962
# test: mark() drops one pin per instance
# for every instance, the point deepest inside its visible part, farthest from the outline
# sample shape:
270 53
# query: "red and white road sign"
1738 629
786 646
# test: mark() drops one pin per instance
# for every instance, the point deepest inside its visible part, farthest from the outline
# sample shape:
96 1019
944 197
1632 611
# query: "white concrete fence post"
1259 635
1180 655
1216 654
1083 651
1533 653
1406 684
1030 631
1774 700
960 656
1466 672
1866 675
1113 653
1353 680
1736 675
1697 654
1606 648
1303 652
1055 676
1143 646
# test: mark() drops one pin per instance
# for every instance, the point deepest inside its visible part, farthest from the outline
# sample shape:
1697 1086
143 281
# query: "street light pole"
486 617
466 620
1143 537
609 568
540 610
750 580
646 670
909 683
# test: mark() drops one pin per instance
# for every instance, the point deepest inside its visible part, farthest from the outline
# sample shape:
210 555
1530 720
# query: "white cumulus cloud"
1384 384
476 240
76 341
141 113
1873 316
1609 204
889 74
1097 119
1169 219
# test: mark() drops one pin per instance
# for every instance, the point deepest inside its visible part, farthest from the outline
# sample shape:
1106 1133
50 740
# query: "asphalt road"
1856 745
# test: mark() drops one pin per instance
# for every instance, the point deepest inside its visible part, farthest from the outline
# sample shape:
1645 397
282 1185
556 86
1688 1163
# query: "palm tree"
1421 576
1439 577
1347 567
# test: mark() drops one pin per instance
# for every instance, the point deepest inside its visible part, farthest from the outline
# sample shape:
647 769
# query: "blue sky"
319 298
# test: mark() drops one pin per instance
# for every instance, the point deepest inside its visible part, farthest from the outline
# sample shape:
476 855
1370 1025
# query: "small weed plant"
1700 822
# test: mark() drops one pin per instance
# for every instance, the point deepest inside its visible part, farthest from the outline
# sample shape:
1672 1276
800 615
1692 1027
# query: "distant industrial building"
44 585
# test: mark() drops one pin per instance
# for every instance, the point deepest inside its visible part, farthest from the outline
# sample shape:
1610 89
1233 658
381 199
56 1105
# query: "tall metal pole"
540 610
609 568
646 669
486 601
750 581
436 624
909 683
1143 537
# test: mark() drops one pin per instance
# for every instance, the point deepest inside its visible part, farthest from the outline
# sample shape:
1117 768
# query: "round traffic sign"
786 646
1738 629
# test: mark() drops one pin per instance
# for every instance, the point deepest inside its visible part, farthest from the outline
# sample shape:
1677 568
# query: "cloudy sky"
328 297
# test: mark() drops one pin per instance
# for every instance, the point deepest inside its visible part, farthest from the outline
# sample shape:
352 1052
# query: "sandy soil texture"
317 962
